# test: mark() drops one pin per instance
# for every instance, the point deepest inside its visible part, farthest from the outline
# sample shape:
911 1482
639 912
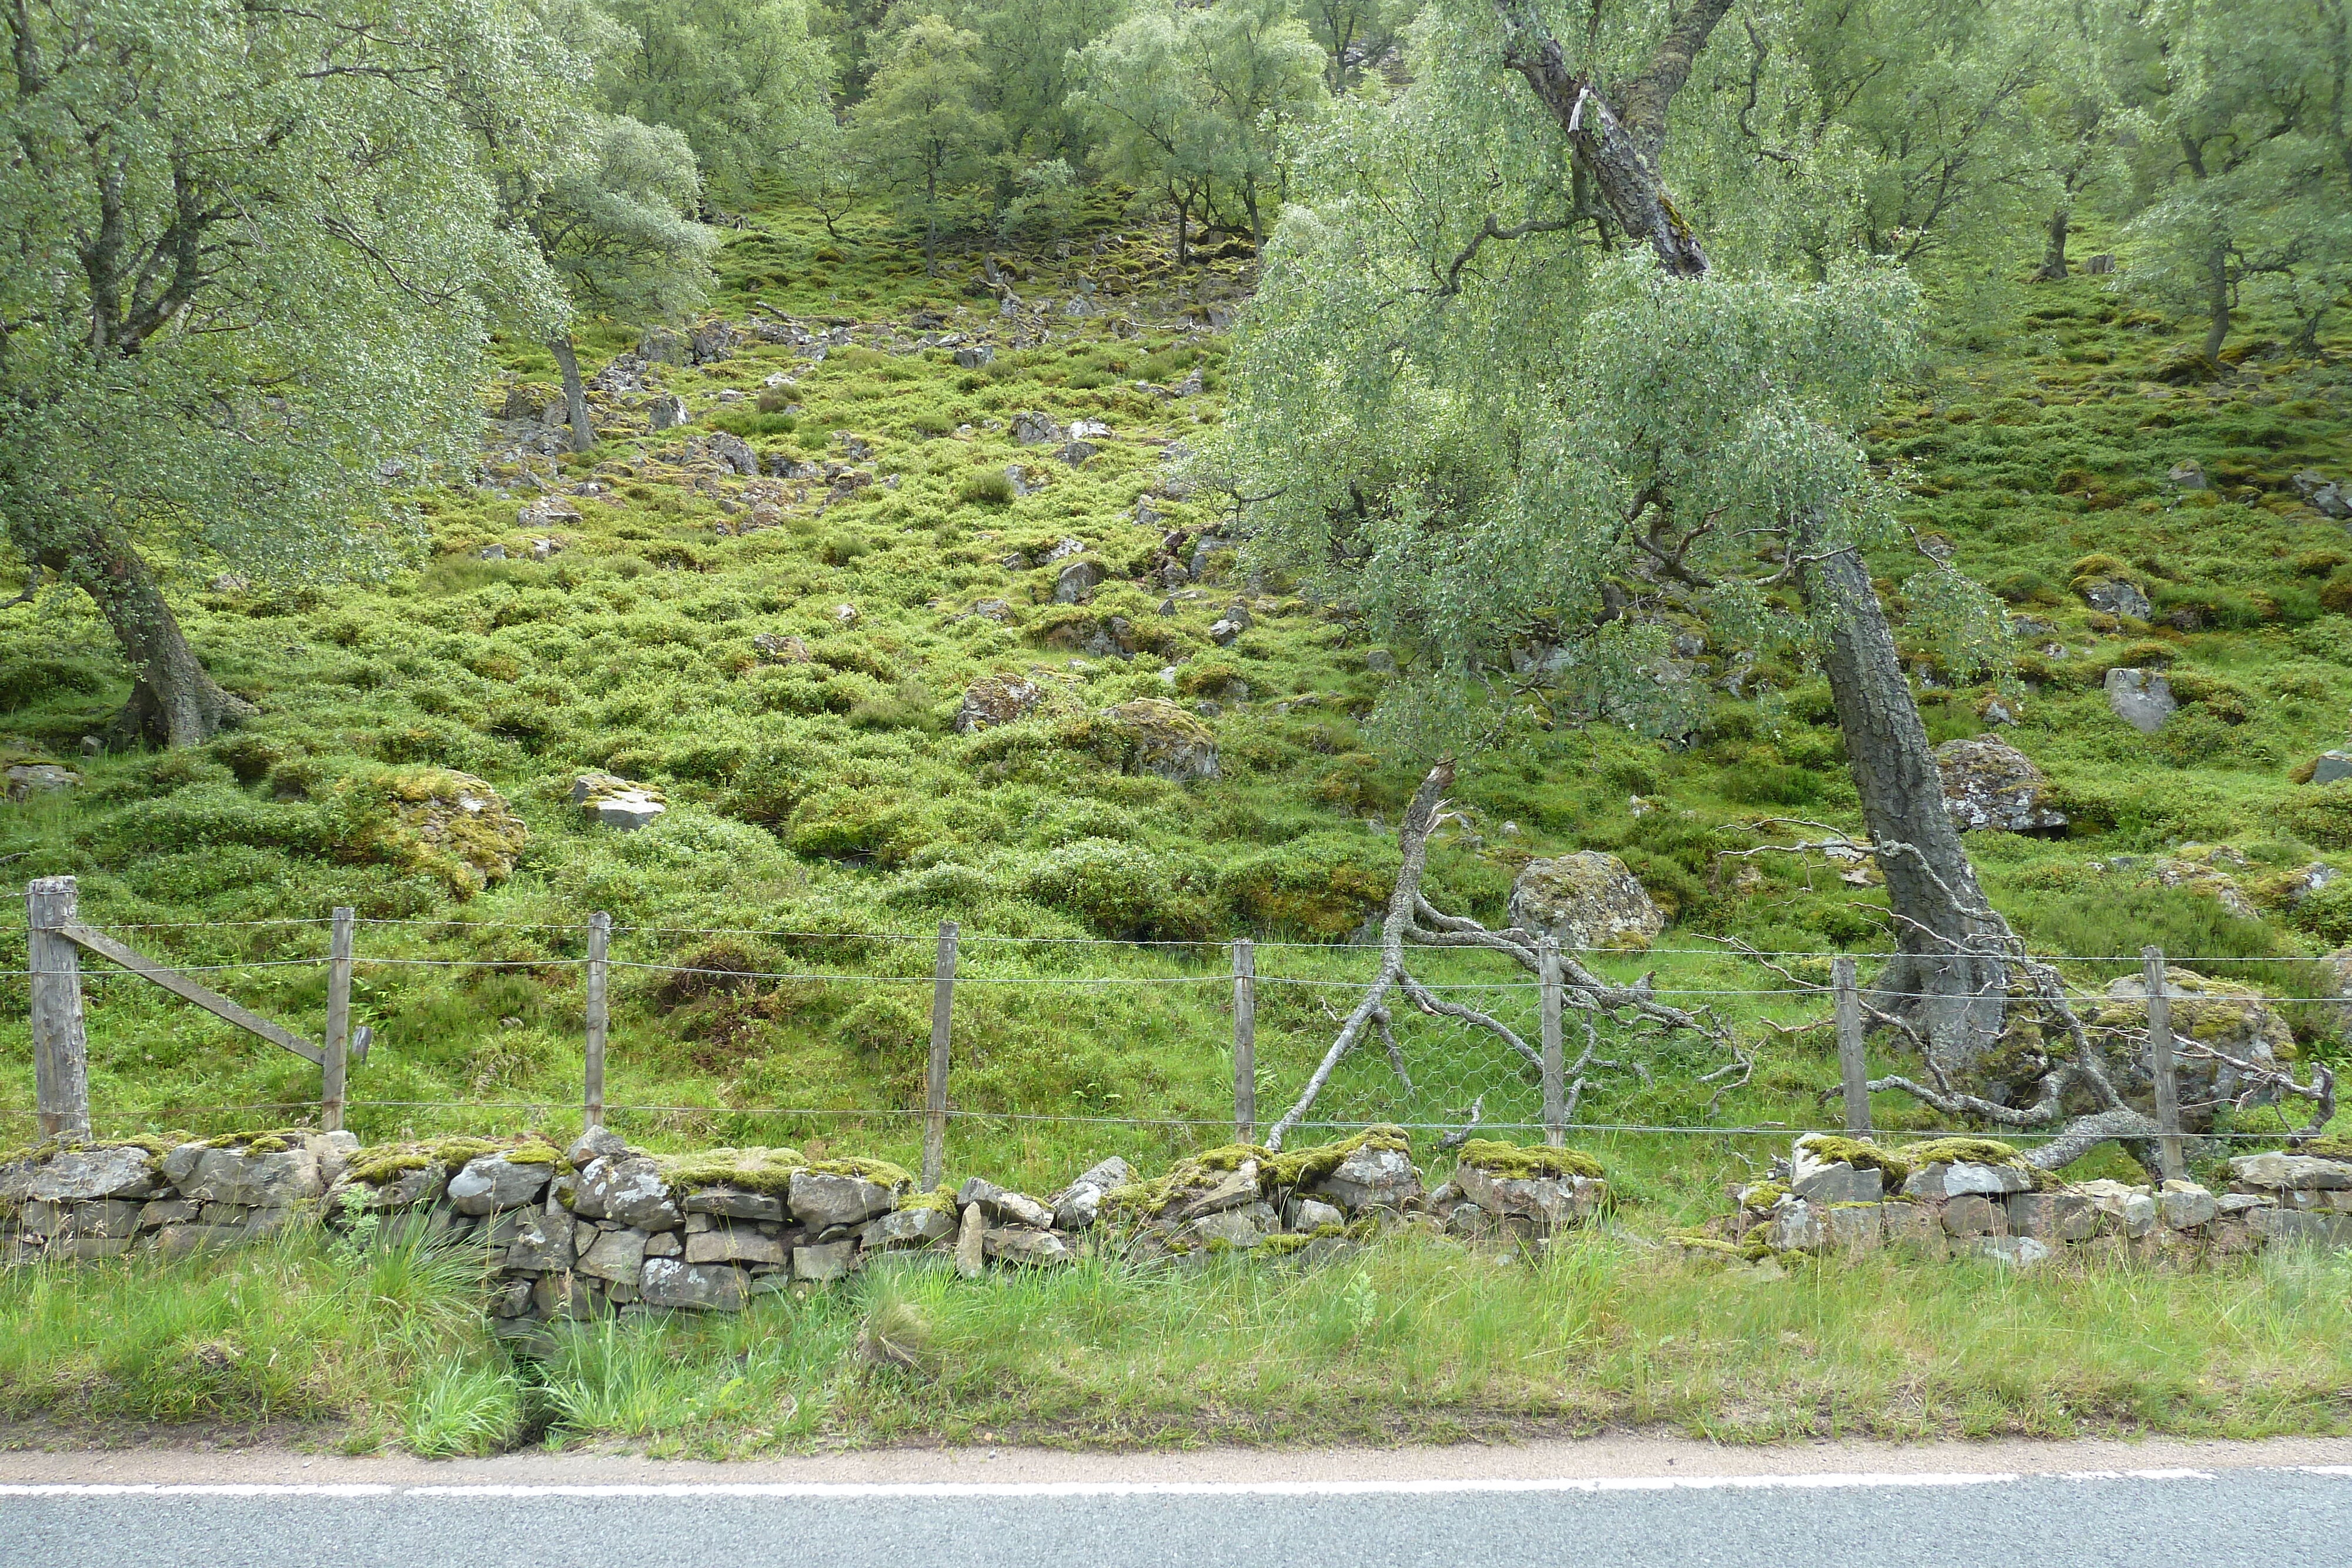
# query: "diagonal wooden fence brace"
179 985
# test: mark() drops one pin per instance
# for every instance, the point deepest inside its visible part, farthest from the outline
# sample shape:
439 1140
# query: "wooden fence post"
335 1068
599 946
2159 1052
1555 1056
1852 1068
1244 1042
60 1048
935 1094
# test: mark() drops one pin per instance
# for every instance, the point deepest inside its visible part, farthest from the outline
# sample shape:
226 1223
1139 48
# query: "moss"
155 1144
1745 1252
1960 1151
942 1199
769 1171
374 1167
1830 1148
1296 1167
2335 1146
1282 1245
275 1141
1513 1162
882 1172
1762 1194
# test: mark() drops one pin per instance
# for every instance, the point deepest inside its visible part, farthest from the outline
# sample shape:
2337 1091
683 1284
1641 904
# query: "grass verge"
1412 1340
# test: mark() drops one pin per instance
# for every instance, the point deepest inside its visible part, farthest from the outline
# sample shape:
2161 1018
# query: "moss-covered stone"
881 1173
1958 1151
1831 1147
1512 1161
1296 1167
374 1167
761 1170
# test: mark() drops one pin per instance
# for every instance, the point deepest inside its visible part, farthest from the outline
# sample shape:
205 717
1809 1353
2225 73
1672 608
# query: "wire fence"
1422 1070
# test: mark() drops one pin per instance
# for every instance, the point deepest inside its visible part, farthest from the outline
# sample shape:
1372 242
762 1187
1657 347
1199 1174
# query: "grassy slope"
833 797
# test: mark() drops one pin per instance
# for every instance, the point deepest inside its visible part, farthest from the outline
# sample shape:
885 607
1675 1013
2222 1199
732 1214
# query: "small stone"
2331 766
616 1255
664 1244
693 1286
734 1244
123 1171
1972 1215
595 1144
909 1228
1852 1227
1307 1214
27 779
1000 699
2186 474
2186 1206
2115 598
1990 784
493 1182
735 1204
825 1262
543 1240
2276 1171
1231 1190
2141 698
971 1252
820 1198
1996 1180
1076 582
1795 1227
2016 1251
1024 1247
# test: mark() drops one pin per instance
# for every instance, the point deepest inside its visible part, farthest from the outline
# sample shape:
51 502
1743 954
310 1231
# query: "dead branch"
1412 920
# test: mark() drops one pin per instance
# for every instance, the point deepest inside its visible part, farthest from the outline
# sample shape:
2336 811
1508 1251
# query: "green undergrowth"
1410 1339
818 801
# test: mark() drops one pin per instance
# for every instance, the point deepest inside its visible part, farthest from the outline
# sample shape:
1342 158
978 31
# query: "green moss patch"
1959 1152
374 1167
1512 1161
767 1171
1296 1168
1829 1148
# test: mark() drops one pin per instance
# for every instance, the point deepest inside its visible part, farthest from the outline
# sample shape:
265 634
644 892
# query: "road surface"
1640 1503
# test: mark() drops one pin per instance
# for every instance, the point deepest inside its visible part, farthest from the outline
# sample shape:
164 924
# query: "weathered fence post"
335 1068
60 1049
592 1080
935 1093
2159 1054
1244 1042
1555 1058
1852 1068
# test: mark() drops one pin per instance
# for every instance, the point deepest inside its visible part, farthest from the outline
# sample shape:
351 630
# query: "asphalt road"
2273 1516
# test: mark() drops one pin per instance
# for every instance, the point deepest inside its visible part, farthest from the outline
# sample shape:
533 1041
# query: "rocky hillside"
885 598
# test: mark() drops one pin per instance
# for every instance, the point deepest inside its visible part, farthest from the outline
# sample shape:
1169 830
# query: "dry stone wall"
601 1226
1961 1196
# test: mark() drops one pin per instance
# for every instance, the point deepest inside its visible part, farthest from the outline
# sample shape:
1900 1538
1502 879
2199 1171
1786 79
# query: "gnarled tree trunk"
1942 981
175 702
575 395
2053 253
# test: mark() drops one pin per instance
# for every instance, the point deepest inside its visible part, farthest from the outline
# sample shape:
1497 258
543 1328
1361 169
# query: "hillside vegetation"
786 660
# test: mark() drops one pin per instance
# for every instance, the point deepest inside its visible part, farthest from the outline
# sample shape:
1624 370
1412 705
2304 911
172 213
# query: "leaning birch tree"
253 258
1497 380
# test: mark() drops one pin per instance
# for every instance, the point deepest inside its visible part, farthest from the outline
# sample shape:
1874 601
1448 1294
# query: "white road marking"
845 1491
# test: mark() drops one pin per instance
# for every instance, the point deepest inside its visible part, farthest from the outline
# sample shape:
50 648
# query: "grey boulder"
2141 698
628 1189
823 1198
693 1286
493 1182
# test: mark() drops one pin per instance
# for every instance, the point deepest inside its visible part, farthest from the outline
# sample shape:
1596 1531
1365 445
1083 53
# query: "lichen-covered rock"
543 1240
692 1287
616 1255
734 1244
1078 1205
122 1170
999 699
628 1189
2281 1172
254 1179
2141 698
1163 739
903 1228
616 802
824 1263
1371 1177
27 779
2116 597
443 823
999 1203
1021 1245
1990 784
495 1182
1586 899
2230 1018
821 1200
